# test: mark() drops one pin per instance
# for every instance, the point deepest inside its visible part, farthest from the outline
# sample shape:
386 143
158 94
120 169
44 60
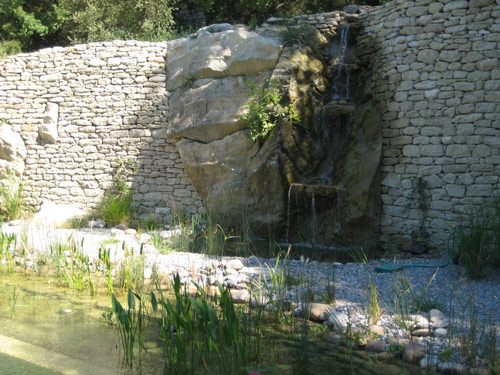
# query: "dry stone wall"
83 108
436 80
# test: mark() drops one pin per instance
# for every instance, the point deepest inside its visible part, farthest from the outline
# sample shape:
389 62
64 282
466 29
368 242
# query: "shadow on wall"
82 109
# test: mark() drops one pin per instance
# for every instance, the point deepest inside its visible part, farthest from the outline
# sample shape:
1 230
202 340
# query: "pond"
48 329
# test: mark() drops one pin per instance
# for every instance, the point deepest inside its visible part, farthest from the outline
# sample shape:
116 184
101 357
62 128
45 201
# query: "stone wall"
435 78
436 81
107 102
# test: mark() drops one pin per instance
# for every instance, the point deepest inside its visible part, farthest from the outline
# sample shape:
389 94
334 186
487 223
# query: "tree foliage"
95 20
32 24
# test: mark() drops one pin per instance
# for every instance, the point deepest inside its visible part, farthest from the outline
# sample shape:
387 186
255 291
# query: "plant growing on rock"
265 111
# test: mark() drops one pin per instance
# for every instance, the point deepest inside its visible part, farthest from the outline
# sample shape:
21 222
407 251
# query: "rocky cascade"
208 75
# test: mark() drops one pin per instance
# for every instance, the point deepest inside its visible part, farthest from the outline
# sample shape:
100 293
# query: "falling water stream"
335 130
342 67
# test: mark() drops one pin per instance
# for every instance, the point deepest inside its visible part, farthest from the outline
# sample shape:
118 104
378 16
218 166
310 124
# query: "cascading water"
319 192
342 67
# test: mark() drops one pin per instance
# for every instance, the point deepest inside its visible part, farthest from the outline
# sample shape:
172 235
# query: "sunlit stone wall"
436 81
108 103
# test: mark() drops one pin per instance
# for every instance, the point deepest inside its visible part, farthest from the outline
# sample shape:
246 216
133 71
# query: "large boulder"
12 152
237 178
208 75
219 54
209 109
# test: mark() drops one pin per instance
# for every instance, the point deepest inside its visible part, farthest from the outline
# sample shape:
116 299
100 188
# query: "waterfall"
342 66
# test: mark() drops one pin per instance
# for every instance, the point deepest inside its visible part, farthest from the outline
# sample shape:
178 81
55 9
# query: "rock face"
208 109
12 152
235 177
361 155
219 54
208 73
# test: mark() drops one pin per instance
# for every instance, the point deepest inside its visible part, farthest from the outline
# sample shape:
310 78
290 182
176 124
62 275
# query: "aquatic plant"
13 296
130 324
131 273
73 267
105 266
199 332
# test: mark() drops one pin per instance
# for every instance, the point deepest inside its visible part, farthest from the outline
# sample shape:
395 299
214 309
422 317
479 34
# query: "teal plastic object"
384 266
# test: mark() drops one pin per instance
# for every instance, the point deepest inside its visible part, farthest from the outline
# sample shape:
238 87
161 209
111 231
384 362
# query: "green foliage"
265 111
33 24
116 208
95 20
74 266
252 24
12 205
235 11
9 47
478 239
131 325
8 244
303 35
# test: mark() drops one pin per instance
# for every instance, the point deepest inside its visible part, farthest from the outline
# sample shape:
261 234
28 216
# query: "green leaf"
154 302
131 299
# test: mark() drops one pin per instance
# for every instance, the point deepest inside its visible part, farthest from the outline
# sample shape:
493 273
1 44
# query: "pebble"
376 346
234 264
414 352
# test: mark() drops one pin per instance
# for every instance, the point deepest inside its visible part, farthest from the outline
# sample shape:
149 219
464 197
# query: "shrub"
265 111
9 47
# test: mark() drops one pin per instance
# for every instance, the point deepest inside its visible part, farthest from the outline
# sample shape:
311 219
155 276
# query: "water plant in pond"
74 268
13 295
105 266
130 324
198 333
131 273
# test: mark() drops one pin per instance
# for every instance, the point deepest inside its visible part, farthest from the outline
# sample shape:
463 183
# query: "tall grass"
117 209
8 243
12 205
478 239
